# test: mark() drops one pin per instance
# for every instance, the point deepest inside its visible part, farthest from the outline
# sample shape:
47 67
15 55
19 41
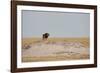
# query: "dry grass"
83 40
54 58
57 56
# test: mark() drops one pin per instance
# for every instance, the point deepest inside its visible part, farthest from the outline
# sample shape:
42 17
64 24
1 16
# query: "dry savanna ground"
55 49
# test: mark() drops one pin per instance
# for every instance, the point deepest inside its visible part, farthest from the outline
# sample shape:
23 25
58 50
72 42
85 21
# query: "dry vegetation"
59 53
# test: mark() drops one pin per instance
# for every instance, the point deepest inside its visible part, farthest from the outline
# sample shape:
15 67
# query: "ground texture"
53 49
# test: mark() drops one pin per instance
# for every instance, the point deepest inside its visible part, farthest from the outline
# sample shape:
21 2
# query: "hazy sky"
57 24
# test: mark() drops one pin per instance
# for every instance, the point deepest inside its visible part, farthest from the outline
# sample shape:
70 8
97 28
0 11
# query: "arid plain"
55 49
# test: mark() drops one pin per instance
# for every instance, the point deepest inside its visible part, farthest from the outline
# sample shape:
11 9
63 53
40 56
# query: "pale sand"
51 51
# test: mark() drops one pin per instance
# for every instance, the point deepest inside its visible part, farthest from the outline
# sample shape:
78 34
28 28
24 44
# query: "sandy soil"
55 50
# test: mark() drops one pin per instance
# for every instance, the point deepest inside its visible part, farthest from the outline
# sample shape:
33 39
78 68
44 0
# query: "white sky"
57 24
